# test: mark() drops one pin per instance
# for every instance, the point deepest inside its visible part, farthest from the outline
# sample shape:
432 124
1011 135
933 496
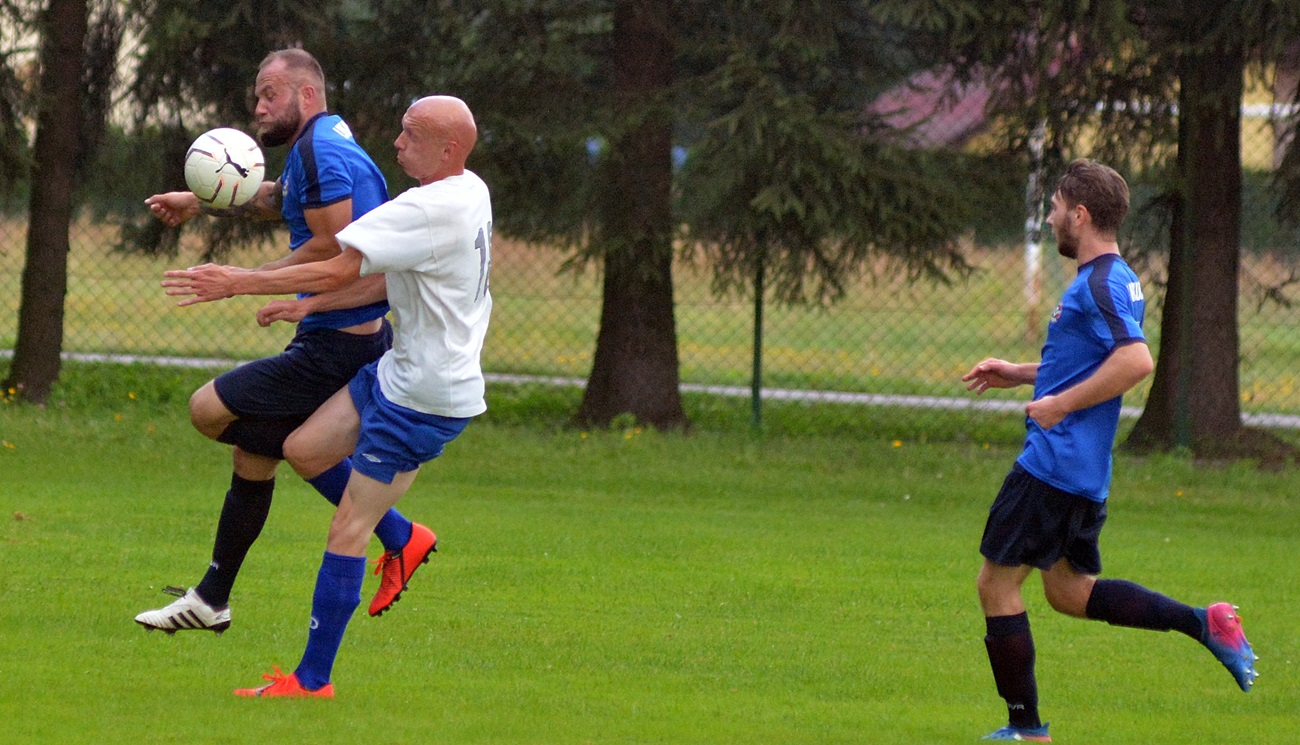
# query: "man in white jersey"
433 244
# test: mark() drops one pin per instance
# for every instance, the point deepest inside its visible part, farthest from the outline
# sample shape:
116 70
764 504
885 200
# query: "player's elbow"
1136 360
1143 365
1147 368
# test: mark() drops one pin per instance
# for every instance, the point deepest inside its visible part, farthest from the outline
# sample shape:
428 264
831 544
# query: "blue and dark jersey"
1101 310
327 166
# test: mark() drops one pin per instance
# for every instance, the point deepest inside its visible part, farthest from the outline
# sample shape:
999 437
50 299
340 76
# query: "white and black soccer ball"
224 167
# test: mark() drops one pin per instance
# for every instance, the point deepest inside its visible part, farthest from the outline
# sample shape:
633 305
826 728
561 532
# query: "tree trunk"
635 367
58 143
1195 395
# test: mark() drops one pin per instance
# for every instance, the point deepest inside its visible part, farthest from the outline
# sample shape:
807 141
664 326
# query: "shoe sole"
218 629
424 560
1018 738
261 693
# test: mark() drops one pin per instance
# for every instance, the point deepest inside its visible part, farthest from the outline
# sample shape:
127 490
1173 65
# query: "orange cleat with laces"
396 567
285 686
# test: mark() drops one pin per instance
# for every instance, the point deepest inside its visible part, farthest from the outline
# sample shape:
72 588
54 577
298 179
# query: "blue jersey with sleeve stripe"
326 166
1100 311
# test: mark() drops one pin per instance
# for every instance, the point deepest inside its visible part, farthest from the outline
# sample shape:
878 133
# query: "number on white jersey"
483 244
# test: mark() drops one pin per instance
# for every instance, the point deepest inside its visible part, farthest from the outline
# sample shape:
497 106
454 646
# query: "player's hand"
991 373
292 311
201 284
1046 411
173 207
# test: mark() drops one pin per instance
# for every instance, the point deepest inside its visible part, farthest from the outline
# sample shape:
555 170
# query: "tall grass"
611 587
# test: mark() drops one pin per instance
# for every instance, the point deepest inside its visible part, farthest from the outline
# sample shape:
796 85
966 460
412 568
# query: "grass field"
613 587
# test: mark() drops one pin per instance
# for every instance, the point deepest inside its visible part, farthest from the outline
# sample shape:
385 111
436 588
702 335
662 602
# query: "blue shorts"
395 439
274 395
1032 522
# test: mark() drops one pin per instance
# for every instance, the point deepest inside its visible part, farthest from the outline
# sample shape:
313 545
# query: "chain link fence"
888 357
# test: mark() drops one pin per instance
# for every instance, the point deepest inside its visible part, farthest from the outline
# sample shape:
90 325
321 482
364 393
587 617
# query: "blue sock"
393 529
1122 603
338 593
1010 645
331 483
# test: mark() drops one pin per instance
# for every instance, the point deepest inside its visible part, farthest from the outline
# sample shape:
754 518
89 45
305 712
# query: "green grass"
611 587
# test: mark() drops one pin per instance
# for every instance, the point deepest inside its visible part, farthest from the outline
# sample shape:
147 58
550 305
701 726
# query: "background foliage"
891 267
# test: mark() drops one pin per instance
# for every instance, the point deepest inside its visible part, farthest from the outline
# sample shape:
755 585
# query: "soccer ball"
224 167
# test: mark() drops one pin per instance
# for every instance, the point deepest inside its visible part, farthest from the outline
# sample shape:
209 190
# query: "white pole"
1034 233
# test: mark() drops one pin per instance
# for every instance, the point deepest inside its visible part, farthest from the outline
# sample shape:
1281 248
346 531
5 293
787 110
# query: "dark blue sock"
331 483
1122 603
393 529
1011 654
242 516
338 593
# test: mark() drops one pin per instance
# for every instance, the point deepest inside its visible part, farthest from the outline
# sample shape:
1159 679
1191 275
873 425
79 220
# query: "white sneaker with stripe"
189 612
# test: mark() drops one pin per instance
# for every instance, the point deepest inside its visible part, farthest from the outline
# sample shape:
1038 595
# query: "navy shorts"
395 439
273 396
1032 522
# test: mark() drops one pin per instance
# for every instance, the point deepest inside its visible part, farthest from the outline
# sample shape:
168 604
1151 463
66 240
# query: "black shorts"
1032 522
274 395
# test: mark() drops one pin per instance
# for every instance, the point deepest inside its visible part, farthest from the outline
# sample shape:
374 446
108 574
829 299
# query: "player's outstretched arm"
369 289
203 284
264 205
996 373
173 207
179 207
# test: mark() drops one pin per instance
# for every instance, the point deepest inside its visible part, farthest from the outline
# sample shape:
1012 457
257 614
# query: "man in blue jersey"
1050 510
328 182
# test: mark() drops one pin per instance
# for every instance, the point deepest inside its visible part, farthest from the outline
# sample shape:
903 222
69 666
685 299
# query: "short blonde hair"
300 63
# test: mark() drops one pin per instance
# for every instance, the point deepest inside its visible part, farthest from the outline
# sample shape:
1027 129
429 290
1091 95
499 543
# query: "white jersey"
433 243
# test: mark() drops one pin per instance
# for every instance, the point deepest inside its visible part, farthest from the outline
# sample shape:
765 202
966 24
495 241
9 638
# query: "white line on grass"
1276 421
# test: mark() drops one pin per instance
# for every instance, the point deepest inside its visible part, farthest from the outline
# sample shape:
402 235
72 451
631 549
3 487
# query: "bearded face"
280 127
1067 240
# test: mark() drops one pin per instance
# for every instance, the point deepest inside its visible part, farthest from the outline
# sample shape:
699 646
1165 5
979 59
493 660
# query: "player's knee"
197 413
986 585
302 457
207 413
294 453
990 593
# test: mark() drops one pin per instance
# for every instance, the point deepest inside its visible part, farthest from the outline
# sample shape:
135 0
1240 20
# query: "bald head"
438 133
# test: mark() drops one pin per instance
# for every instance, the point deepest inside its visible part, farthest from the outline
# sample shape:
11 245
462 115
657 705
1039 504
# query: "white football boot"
189 612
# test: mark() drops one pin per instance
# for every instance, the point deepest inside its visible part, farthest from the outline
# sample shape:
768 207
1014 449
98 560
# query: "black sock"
242 517
1122 603
1011 654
